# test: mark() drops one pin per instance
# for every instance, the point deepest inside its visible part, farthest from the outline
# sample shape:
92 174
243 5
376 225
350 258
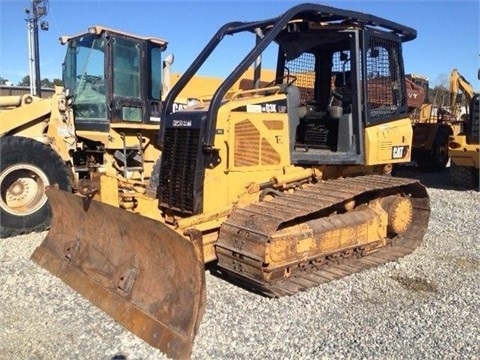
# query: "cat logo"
399 152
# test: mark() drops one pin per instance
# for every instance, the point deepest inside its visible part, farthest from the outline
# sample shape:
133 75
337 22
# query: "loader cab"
113 77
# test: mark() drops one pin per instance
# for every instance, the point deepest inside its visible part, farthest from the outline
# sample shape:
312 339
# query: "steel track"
252 226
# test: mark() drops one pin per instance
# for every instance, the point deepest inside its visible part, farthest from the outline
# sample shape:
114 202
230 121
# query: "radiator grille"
475 120
177 174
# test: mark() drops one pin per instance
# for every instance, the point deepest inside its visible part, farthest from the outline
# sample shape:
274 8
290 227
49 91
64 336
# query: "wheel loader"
430 131
106 115
279 187
464 148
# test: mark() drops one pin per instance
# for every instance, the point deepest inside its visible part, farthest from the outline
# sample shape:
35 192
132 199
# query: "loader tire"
440 150
435 159
27 167
464 176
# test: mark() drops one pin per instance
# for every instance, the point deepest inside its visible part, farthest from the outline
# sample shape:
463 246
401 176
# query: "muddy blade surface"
137 270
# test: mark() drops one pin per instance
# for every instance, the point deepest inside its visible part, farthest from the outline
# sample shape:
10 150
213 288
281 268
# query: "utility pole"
39 9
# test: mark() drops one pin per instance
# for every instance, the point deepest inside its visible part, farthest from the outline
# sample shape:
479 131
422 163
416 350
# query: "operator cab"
348 79
113 77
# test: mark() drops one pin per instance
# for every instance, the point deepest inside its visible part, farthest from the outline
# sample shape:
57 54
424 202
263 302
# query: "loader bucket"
138 270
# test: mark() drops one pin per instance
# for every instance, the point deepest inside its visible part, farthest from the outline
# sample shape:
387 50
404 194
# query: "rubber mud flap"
139 271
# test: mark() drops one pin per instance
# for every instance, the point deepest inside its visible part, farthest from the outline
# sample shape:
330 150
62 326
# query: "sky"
448 31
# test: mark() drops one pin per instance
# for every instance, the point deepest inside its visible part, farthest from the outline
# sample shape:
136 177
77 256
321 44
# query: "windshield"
84 76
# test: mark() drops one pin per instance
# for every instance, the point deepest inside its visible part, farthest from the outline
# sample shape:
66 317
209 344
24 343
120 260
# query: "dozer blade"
138 270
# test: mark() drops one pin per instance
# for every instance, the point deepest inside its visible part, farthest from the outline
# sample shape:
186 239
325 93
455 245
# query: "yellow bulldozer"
106 115
279 187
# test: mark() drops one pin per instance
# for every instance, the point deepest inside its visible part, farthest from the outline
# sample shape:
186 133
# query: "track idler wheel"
400 213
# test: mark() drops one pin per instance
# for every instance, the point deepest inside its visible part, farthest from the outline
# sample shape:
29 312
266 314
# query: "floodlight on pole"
39 9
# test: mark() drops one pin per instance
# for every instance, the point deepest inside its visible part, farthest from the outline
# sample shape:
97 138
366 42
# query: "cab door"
127 104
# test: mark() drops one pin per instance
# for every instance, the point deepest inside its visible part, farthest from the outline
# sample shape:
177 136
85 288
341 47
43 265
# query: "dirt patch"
464 263
416 284
467 263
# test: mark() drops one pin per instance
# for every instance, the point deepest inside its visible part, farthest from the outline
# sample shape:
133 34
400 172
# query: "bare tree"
441 92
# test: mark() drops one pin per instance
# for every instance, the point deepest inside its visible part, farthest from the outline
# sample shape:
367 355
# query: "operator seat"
342 94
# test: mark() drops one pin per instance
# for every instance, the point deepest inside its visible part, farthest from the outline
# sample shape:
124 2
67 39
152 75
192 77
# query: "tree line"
439 95
46 83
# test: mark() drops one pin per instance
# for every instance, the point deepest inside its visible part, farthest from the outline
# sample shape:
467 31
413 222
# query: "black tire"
435 159
464 176
26 168
440 150
424 160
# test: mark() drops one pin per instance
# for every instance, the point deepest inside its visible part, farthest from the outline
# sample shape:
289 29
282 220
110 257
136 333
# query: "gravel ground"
423 306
